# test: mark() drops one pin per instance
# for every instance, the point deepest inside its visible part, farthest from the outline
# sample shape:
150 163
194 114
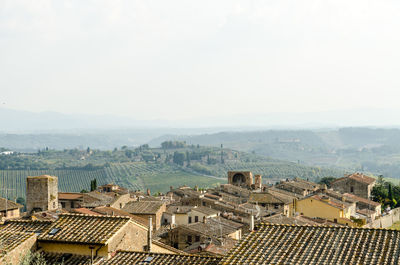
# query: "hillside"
356 149
144 167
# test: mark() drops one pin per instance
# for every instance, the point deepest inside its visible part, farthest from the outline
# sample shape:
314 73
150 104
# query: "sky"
182 59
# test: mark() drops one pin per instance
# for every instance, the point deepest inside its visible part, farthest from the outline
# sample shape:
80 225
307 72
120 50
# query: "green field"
134 176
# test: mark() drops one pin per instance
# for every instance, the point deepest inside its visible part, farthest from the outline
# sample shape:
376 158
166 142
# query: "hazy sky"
179 59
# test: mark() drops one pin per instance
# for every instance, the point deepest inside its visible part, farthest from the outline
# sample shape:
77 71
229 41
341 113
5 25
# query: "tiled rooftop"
111 211
69 196
10 240
205 210
289 244
359 177
10 205
125 258
26 226
214 226
83 228
143 207
68 259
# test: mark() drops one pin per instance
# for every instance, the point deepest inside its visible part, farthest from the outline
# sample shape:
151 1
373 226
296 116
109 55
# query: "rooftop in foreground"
292 244
126 257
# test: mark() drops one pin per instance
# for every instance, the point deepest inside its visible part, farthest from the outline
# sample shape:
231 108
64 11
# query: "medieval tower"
41 193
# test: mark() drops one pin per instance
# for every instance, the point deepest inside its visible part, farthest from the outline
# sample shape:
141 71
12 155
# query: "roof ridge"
327 226
170 254
96 216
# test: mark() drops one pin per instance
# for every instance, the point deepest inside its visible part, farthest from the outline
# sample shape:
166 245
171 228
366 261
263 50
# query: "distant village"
294 221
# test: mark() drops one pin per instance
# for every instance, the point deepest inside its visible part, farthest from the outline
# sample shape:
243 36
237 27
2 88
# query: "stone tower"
240 178
258 181
41 193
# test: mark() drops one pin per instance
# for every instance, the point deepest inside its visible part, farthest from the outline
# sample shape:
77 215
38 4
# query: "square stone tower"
41 193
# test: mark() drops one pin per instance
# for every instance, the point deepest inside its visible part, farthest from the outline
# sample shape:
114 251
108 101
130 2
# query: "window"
190 220
196 219
53 231
276 206
197 239
190 239
54 204
204 203
351 189
335 220
62 204
72 205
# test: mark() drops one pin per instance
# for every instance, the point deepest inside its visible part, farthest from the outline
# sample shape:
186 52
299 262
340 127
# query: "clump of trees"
173 144
386 193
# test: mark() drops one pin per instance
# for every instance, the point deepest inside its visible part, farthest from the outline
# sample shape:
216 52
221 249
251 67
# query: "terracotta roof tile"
126 258
143 207
26 226
290 244
89 229
10 240
10 205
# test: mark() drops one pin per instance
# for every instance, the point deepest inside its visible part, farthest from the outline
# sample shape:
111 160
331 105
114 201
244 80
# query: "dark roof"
10 205
11 240
68 259
125 258
83 228
290 244
26 226
143 207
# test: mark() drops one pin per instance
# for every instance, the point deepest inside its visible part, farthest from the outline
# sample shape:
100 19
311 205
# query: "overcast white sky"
181 59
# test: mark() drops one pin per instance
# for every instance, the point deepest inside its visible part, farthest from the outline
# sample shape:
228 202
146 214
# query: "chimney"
173 219
258 181
149 234
252 223
148 192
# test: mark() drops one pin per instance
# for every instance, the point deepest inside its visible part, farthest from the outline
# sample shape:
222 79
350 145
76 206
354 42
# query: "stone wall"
18 253
131 237
387 220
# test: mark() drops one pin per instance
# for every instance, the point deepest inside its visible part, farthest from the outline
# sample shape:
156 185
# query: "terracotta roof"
10 240
69 196
178 209
84 211
111 211
270 198
359 177
160 244
289 244
26 226
68 259
88 229
143 207
41 177
10 205
360 199
214 226
125 258
205 210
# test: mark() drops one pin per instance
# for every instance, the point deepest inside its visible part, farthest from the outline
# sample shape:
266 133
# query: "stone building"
240 178
357 184
15 245
146 209
41 193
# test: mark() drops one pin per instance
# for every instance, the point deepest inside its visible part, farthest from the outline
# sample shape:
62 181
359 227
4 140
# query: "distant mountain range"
18 121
